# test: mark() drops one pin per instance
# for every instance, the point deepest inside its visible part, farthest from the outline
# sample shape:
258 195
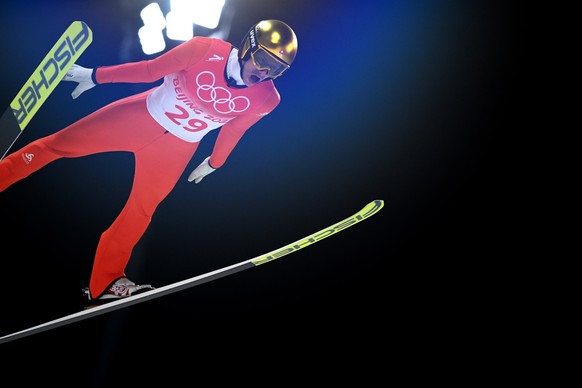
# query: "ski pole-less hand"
201 171
83 76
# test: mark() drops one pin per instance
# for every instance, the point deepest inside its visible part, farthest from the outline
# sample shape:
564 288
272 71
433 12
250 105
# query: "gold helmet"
272 45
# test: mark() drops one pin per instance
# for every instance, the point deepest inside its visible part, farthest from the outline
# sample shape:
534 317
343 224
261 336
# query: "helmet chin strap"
241 63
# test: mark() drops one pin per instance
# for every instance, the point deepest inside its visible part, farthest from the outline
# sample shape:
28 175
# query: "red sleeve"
233 131
176 59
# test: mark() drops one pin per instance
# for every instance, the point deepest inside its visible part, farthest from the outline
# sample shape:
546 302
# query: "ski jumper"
161 127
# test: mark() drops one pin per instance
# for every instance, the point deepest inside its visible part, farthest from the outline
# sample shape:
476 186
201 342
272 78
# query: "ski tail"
42 82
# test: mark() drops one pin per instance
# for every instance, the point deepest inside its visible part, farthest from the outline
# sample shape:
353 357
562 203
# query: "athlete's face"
252 75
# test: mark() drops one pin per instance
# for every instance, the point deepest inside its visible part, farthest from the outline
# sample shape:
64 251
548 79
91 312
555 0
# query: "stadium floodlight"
204 13
153 17
151 39
178 26
150 35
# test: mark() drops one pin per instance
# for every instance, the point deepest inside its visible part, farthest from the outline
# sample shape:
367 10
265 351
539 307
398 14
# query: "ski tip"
372 207
85 27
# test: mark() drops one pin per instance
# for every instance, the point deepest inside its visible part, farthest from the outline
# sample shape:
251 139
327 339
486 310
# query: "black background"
407 102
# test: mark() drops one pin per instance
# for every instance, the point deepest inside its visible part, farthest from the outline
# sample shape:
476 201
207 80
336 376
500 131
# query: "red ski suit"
161 127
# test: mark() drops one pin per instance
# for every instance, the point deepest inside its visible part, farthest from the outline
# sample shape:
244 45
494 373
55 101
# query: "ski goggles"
264 60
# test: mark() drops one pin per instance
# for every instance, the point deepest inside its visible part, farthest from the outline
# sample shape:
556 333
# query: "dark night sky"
402 102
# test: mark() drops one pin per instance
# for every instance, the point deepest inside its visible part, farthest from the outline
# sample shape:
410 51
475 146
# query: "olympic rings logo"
221 97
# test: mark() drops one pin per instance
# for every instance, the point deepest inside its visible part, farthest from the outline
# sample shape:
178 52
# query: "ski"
366 212
42 82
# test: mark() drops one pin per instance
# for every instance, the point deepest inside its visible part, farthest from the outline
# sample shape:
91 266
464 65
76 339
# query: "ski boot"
121 288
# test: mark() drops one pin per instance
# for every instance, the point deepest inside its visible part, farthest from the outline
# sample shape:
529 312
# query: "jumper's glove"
201 171
81 75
